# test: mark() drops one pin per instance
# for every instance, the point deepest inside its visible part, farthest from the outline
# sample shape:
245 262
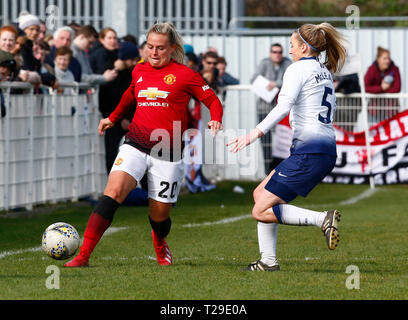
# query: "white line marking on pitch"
364 195
353 200
227 220
4 254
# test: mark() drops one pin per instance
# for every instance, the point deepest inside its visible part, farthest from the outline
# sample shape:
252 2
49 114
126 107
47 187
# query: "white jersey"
308 94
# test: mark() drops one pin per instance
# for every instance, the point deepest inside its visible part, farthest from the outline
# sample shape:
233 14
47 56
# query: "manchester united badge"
170 79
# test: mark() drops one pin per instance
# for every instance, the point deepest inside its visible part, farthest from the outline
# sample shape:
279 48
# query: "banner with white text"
389 152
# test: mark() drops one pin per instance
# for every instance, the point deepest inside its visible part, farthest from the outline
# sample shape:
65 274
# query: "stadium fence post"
366 125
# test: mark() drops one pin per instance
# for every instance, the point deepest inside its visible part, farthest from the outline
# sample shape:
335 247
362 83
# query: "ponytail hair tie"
310 46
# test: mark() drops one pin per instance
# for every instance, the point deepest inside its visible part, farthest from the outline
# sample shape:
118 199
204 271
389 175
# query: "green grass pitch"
209 257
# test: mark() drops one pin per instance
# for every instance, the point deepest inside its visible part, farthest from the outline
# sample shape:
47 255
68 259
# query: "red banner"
389 153
388 147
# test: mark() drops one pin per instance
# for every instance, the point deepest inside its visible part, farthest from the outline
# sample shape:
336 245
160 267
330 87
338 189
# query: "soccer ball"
60 241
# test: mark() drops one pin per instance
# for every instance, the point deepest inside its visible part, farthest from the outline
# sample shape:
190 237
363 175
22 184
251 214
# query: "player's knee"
256 214
118 192
159 211
256 194
115 194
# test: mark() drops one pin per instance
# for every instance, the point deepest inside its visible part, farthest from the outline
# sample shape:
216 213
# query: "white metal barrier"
49 146
50 150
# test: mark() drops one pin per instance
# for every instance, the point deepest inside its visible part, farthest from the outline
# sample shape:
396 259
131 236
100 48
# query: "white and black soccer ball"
60 241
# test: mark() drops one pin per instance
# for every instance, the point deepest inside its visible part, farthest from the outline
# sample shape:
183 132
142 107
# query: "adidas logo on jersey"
140 80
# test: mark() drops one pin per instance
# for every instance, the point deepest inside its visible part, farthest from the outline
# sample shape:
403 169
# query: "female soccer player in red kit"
161 89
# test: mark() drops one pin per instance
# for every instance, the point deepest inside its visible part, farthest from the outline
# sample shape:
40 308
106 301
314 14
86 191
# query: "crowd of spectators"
74 53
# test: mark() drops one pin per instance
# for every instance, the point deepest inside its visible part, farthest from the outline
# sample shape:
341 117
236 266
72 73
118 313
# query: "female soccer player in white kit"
308 94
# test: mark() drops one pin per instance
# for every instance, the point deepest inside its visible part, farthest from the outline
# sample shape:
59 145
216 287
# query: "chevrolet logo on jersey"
153 94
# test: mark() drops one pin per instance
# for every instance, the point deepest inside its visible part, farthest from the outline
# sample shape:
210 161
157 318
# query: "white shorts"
164 177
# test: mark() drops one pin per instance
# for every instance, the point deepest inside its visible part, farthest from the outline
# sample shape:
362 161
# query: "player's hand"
242 141
104 125
214 126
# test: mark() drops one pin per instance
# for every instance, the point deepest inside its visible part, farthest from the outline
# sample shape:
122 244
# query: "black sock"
162 229
106 207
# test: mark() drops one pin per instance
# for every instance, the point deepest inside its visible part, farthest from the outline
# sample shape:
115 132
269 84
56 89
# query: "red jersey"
161 98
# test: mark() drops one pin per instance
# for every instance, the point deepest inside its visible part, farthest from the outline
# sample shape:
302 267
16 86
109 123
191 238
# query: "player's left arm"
216 111
202 92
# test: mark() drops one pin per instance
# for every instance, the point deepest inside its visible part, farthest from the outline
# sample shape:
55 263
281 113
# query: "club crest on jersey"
153 94
170 79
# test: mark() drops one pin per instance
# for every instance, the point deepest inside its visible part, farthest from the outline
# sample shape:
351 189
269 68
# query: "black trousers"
113 136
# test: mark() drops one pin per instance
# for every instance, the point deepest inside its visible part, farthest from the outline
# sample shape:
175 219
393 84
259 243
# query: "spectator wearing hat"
8 35
128 56
188 48
30 24
8 66
83 42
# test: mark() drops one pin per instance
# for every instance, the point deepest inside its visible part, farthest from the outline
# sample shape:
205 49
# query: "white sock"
291 215
267 235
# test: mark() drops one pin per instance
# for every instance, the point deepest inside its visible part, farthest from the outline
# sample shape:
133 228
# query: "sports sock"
98 223
96 227
267 236
291 215
162 229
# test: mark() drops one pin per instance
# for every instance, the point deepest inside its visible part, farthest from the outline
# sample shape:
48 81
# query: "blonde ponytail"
324 37
174 38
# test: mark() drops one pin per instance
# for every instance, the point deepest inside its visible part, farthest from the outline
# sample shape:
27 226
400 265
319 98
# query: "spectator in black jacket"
103 59
30 25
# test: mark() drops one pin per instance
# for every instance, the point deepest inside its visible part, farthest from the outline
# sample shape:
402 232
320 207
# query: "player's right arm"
291 87
104 125
127 101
